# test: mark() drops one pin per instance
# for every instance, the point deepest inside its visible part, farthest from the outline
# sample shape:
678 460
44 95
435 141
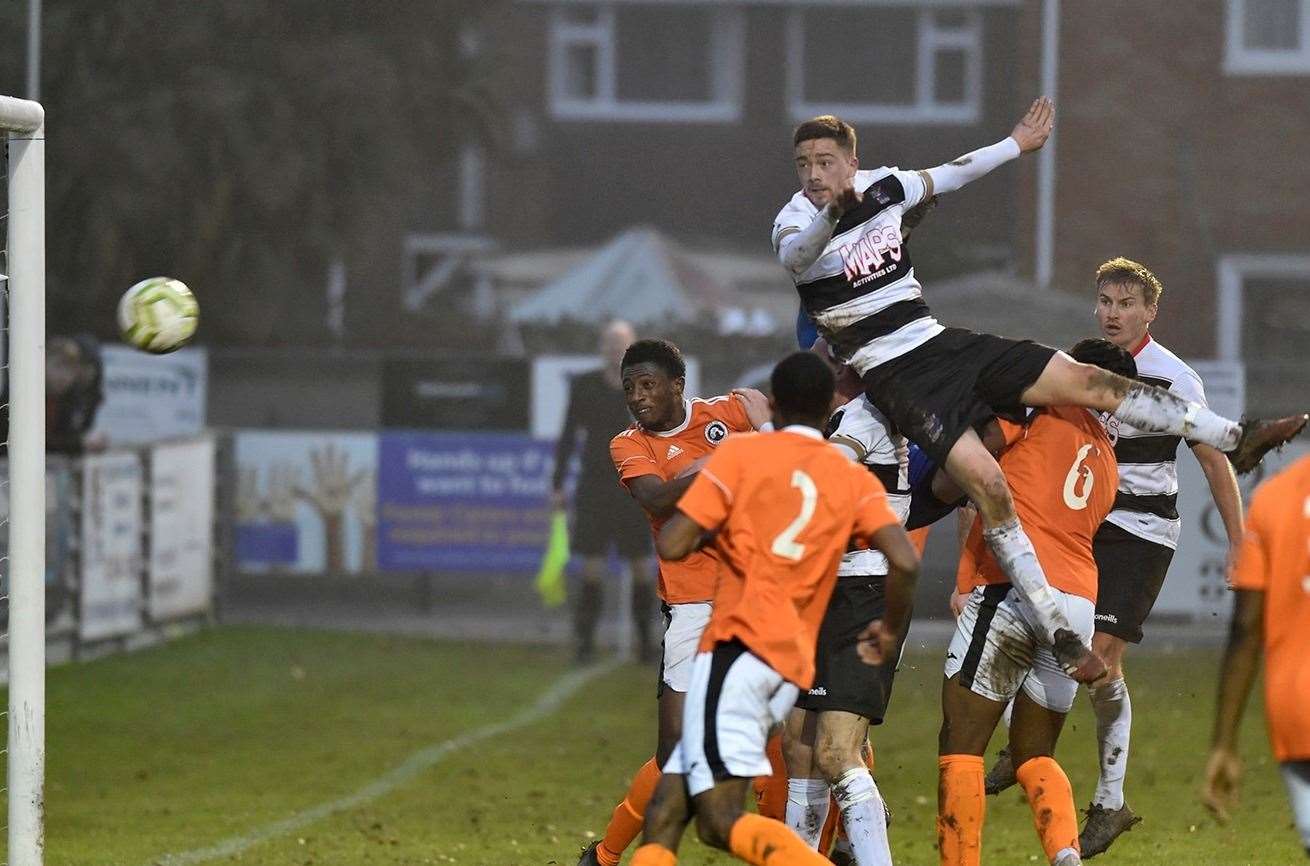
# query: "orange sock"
653 855
961 805
763 841
1051 797
832 826
771 791
626 822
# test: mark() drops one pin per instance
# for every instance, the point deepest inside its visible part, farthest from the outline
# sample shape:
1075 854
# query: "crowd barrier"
130 546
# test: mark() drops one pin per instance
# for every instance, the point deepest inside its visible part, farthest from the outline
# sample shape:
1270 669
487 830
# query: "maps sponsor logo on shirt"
867 256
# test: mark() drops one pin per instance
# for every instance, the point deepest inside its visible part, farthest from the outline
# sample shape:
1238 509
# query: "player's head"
615 338
802 385
1127 300
653 378
1107 356
824 152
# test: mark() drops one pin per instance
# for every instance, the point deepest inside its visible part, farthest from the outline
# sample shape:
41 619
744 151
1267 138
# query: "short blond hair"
1121 271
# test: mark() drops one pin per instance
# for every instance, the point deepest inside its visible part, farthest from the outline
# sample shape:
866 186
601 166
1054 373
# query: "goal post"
23 121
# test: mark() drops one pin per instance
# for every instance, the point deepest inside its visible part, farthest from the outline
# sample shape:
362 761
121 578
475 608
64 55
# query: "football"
158 315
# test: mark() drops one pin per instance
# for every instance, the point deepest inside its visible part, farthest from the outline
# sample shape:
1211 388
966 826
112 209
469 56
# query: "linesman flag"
550 577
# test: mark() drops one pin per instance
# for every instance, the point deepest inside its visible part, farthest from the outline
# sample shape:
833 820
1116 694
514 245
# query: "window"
668 62
911 65
1263 320
1268 37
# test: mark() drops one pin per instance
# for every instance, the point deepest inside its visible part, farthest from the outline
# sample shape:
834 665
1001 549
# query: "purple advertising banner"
462 501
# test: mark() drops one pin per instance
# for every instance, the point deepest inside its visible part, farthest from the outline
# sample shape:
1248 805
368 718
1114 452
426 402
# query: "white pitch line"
415 764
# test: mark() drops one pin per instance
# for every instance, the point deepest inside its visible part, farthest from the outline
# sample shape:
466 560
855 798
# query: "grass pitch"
222 735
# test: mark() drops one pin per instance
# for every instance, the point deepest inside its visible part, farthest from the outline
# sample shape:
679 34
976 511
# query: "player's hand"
845 199
756 405
876 645
958 601
1031 132
1223 774
1078 660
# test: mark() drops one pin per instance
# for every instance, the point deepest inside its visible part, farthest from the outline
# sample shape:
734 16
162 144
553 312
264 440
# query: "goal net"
23 333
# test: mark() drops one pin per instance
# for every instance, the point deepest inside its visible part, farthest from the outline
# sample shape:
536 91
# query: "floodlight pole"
26 254
1044 267
34 50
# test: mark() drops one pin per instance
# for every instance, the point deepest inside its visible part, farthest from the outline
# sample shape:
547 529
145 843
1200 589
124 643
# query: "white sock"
1071 853
864 817
1009 711
1015 555
1156 410
1114 721
807 808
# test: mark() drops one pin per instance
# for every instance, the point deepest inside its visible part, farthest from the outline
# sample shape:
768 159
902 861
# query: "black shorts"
937 391
604 514
1131 571
841 680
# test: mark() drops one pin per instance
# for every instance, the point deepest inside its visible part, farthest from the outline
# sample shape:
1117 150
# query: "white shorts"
683 624
996 648
733 701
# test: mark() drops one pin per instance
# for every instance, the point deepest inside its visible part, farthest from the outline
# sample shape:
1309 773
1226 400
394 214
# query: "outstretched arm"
1029 134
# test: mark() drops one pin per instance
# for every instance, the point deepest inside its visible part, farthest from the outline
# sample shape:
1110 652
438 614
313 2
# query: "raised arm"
1029 134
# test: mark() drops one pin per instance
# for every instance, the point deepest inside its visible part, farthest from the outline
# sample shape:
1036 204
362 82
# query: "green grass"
218 735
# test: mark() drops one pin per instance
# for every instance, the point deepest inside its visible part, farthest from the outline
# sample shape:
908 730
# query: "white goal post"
24 121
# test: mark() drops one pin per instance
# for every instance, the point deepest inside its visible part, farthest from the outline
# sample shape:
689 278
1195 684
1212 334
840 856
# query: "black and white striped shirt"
862 292
1147 502
861 432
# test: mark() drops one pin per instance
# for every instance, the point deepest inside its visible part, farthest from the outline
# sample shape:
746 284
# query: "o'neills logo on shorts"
716 432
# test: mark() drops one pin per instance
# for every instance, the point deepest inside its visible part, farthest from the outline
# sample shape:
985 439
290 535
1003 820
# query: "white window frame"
1232 272
725 44
924 109
1240 60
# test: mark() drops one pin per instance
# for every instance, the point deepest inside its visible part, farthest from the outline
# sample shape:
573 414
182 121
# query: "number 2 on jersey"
785 545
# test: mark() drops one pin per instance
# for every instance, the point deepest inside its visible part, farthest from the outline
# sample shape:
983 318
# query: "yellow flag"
550 577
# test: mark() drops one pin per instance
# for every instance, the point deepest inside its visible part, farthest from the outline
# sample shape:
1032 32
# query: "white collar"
803 430
683 426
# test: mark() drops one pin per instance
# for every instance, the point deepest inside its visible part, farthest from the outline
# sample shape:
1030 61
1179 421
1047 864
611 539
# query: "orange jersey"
637 452
1061 471
1275 559
785 506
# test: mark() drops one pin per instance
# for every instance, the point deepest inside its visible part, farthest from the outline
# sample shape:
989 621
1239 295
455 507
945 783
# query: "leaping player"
840 238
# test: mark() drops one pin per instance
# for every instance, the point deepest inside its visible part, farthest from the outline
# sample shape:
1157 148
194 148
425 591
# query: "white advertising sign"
152 397
181 574
550 388
111 545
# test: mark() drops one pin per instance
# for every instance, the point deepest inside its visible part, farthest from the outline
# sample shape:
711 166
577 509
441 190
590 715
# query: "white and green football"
158 315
